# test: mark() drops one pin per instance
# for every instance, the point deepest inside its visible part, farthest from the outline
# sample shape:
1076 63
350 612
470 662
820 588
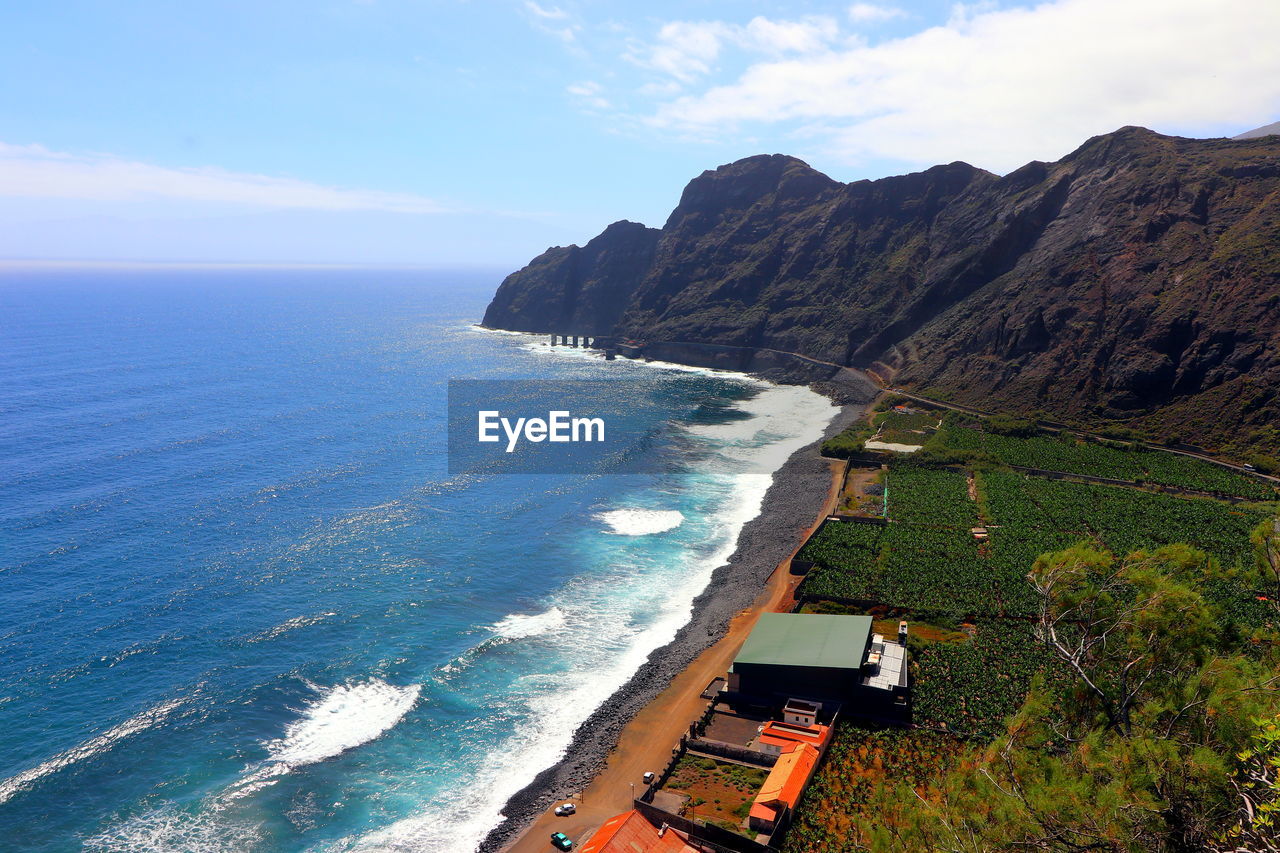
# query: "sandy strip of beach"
637 728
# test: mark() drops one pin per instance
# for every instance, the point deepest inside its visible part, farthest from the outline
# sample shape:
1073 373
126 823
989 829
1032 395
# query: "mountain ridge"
1137 279
1265 130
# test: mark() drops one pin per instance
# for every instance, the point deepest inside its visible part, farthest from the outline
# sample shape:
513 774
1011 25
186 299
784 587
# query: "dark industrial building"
824 658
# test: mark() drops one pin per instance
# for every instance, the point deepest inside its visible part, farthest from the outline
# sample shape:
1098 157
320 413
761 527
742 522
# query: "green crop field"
926 564
932 569
970 688
1070 455
915 568
927 561
902 420
922 495
1120 519
846 554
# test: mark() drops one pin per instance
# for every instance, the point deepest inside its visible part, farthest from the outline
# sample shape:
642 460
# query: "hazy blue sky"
439 131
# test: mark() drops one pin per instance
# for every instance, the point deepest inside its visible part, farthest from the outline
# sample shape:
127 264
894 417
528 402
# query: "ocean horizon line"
107 264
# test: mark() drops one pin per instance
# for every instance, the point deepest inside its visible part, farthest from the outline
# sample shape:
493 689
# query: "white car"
565 809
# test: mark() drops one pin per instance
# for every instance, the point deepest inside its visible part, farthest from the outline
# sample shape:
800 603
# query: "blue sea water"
245 607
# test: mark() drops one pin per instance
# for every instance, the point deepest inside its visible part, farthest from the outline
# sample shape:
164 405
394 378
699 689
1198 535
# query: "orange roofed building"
783 787
777 738
629 832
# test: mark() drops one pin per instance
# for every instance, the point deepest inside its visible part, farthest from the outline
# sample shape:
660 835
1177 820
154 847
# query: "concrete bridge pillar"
575 340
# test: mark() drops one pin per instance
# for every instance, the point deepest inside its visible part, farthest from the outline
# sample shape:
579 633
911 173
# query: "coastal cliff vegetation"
1095 648
1157 729
1135 283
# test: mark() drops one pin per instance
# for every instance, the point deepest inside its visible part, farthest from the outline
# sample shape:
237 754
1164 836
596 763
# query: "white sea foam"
476 327
519 626
94 746
770 433
290 625
167 829
342 717
539 344
609 626
641 522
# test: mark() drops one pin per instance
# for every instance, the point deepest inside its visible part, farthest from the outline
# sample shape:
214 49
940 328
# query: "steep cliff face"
1138 278
1154 288
576 290
770 253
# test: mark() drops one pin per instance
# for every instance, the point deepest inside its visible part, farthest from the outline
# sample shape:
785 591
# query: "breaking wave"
641 522
90 748
340 718
519 626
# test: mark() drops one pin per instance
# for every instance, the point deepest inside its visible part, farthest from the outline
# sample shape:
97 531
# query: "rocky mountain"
1265 130
1135 280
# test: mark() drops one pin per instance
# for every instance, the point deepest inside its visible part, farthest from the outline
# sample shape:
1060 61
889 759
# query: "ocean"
244 605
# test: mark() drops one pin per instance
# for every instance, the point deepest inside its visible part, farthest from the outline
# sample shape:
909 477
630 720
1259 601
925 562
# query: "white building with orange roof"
631 832
782 789
776 738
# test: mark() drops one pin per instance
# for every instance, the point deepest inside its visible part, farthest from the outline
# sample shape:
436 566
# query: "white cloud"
999 87
684 50
687 50
552 20
589 93
807 35
551 13
33 171
865 13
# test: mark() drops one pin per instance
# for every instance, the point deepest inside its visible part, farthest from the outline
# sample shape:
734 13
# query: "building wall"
769 682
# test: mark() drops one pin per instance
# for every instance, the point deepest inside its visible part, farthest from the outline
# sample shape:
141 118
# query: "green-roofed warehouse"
805 656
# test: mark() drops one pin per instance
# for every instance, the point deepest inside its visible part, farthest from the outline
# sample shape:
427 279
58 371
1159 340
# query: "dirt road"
647 741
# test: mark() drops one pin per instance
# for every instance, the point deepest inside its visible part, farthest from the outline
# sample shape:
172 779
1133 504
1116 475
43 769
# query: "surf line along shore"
635 730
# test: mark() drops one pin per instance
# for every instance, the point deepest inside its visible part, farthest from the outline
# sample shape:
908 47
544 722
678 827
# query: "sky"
480 132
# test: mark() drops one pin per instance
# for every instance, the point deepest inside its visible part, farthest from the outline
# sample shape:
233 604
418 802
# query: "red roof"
629 832
781 734
788 777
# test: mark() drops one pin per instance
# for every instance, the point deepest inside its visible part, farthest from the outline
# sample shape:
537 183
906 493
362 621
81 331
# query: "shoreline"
796 500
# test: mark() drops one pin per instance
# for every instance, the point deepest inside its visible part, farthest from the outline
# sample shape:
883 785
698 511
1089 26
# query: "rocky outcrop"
1136 279
576 291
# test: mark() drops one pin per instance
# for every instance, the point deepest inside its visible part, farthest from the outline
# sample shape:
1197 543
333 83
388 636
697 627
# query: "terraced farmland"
1068 454
1120 519
970 688
927 564
923 495
846 554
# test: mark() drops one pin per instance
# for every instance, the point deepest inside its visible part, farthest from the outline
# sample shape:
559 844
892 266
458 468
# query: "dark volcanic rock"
1138 278
576 291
